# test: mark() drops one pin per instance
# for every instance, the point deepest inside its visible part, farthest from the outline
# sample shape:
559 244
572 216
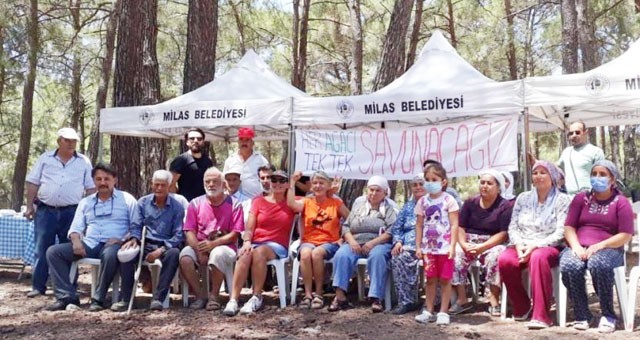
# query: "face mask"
600 184
433 187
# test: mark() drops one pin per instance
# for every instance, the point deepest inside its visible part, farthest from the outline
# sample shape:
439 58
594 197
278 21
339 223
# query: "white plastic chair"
561 301
228 278
361 266
295 272
634 276
155 269
95 273
280 267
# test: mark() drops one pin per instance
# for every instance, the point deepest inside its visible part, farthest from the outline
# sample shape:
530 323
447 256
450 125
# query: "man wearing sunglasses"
578 159
99 226
189 167
247 159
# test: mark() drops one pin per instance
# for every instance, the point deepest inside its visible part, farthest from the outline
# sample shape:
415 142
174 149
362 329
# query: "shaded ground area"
24 318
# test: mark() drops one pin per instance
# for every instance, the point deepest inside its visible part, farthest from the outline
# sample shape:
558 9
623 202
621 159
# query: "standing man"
264 176
59 179
188 168
97 231
248 160
212 226
162 214
578 159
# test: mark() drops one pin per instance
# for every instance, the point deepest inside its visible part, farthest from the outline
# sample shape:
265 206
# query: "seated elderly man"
162 214
212 226
100 223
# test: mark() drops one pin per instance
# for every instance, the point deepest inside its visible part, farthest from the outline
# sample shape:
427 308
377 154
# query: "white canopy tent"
250 94
608 95
441 87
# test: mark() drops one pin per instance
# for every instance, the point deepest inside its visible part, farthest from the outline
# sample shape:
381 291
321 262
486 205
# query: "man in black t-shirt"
188 168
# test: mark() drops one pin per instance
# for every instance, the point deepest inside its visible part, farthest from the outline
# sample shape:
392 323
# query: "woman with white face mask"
599 223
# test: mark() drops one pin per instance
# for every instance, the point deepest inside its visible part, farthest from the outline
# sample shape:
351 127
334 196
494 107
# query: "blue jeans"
169 260
60 257
49 223
344 263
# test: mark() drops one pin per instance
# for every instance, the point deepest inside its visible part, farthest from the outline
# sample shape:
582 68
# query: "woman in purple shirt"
599 223
484 221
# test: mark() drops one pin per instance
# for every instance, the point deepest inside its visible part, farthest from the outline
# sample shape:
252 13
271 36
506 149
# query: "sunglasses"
280 180
196 138
571 133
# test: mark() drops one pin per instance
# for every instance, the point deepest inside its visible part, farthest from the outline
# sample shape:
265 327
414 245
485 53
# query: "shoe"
198 304
425 317
96 306
442 319
34 293
458 309
401 309
582 325
494 311
73 306
317 302
251 306
376 306
337 305
56 306
231 309
537 324
156 305
523 317
606 325
119 306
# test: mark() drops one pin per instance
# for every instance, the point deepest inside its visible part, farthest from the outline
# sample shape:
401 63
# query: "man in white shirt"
59 180
249 160
578 159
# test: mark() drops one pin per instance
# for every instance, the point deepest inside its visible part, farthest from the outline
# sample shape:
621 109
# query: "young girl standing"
436 230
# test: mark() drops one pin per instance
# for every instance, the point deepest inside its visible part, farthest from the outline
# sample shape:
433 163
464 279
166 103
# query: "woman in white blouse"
536 233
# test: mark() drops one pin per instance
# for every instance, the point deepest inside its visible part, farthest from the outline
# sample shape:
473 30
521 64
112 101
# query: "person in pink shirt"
212 226
599 223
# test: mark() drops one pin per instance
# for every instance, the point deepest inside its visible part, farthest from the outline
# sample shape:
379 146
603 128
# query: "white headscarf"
379 181
508 192
496 175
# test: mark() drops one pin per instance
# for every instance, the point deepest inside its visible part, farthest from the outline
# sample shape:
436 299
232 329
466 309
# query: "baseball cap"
233 170
126 255
280 173
68 133
246 132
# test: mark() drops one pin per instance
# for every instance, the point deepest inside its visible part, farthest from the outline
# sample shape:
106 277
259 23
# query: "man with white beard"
212 226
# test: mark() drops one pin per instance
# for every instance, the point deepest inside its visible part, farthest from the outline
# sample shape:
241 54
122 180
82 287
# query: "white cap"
68 133
126 255
233 170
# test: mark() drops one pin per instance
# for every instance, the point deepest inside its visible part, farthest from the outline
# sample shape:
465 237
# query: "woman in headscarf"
508 187
482 232
599 223
536 233
404 262
366 233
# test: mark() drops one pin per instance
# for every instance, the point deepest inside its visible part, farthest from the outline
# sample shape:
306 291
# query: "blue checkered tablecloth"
17 239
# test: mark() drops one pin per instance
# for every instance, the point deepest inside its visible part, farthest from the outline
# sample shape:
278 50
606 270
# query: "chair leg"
95 270
621 288
282 283
475 283
503 302
115 288
295 268
360 272
185 293
634 276
555 272
561 303
73 270
387 292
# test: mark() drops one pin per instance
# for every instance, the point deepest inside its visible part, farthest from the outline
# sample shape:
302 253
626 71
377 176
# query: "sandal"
317 302
213 304
337 305
376 306
537 324
305 303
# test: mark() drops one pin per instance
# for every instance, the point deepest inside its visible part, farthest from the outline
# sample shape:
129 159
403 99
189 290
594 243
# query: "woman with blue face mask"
599 223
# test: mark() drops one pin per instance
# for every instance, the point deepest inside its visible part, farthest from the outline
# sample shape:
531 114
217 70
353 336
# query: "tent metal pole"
290 152
525 149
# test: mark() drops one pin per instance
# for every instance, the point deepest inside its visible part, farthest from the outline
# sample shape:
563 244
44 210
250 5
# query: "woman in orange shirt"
320 234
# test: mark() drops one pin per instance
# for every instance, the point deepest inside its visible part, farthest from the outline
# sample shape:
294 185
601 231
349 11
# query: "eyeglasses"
198 139
101 210
571 133
280 180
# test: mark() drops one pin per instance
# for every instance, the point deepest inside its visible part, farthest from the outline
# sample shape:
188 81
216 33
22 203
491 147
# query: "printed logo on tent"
344 108
145 117
597 84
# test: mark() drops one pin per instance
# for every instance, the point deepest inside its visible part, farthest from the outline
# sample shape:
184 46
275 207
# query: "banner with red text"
463 148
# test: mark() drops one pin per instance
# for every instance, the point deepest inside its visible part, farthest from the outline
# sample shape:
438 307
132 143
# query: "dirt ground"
22 318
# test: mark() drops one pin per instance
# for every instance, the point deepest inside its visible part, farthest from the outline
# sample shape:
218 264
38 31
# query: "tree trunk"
22 158
614 144
631 169
355 67
415 36
239 26
569 36
586 36
3 70
393 51
77 102
94 152
300 55
452 26
511 47
137 82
